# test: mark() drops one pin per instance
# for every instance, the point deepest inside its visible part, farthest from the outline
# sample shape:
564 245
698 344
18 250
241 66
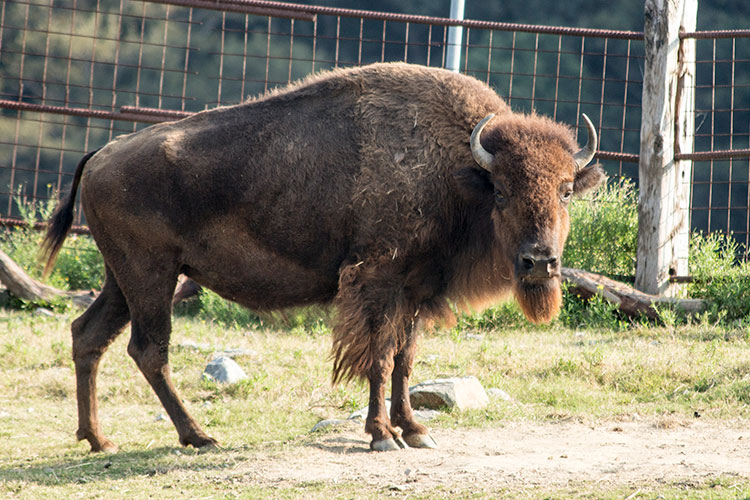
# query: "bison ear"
473 183
588 179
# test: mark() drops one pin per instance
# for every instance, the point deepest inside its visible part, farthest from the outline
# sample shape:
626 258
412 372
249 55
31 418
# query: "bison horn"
584 156
481 155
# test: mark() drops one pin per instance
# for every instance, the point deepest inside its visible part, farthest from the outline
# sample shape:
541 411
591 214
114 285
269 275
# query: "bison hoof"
421 441
388 444
203 442
105 447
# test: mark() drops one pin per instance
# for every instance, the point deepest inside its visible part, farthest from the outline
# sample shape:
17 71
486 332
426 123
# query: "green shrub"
505 315
718 277
604 230
79 265
596 312
212 307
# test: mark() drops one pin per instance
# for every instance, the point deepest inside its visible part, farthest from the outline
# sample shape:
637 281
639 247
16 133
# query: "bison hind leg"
93 332
150 297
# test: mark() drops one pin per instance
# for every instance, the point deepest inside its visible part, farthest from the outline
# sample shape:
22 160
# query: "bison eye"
499 198
566 192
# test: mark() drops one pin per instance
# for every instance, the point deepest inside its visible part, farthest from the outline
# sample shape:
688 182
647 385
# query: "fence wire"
77 73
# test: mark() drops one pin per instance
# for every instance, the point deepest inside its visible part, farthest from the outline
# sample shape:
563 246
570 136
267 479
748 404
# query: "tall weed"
718 277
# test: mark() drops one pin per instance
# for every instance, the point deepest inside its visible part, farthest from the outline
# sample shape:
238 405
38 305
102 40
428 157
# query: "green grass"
552 373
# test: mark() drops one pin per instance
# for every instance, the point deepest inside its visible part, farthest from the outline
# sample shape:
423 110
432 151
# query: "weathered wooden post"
667 127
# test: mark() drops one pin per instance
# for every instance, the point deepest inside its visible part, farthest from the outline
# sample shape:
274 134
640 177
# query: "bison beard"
539 301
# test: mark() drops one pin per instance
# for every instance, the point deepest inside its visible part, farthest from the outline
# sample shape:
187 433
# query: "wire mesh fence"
76 73
720 194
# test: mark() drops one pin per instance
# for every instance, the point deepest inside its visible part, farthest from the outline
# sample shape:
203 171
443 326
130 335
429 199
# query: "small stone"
43 312
426 415
495 393
192 345
429 359
361 414
333 422
160 417
224 370
474 336
460 392
233 353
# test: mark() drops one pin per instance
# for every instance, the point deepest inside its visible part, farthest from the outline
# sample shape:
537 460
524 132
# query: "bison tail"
61 220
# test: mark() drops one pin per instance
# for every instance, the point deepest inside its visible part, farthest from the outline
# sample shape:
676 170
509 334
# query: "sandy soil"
519 456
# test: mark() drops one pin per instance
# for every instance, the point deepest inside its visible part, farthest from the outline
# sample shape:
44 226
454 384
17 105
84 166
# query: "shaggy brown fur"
356 187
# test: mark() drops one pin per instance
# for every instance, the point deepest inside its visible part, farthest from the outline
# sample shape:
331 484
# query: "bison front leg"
414 433
385 437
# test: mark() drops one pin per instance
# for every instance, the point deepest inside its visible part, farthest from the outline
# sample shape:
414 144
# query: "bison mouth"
540 299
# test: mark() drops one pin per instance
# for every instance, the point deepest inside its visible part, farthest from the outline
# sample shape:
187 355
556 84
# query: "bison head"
530 168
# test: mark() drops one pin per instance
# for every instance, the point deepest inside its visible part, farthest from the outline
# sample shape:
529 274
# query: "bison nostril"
552 263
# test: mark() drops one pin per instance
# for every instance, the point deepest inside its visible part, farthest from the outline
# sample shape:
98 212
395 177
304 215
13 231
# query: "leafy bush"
718 277
211 307
604 230
79 265
596 312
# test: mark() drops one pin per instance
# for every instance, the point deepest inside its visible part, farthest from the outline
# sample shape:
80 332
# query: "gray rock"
235 352
426 415
334 422
192 345
362 413
495 393
41 311
428 359
224 370
459 392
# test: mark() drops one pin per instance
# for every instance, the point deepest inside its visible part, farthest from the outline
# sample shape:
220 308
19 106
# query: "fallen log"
629 300
25 287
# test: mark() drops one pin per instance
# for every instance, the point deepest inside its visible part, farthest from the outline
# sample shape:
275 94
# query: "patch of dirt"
517 455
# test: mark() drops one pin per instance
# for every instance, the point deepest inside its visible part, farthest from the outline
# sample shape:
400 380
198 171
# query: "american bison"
389 190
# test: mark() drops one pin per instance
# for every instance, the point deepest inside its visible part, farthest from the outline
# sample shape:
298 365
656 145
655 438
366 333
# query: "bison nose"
537 264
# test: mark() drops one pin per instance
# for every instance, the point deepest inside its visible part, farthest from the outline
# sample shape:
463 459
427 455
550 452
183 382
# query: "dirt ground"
520 456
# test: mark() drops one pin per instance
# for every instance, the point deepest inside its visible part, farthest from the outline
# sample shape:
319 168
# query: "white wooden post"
667 128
